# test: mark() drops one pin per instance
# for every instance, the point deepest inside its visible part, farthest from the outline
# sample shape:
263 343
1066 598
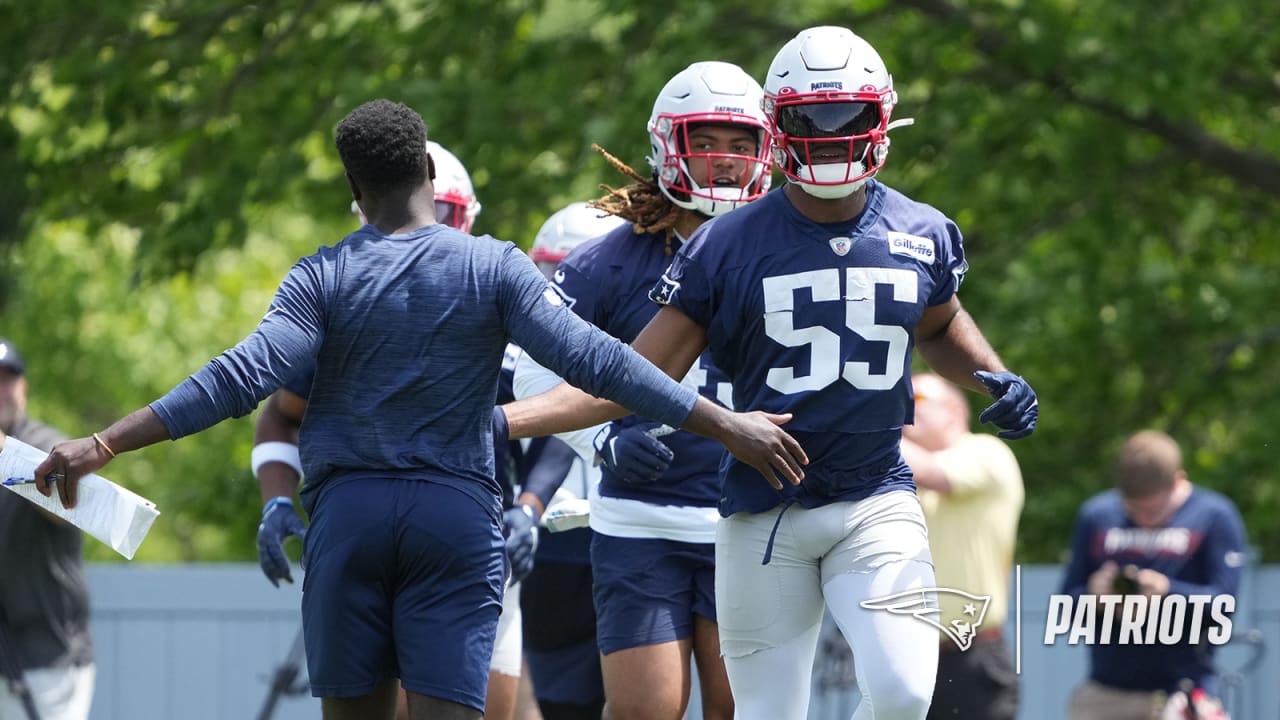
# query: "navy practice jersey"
818 320
1201 549
408 332
607 280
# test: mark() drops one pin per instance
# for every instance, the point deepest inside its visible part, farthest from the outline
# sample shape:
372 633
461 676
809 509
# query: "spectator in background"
971 489
1155 534
44 600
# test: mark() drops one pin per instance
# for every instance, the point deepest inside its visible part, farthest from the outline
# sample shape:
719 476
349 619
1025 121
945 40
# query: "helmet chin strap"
830 176
721 198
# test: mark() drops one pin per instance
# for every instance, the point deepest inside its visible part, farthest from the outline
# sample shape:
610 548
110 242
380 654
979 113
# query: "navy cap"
10 359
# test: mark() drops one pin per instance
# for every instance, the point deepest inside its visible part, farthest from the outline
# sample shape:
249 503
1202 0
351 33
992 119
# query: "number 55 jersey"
818 320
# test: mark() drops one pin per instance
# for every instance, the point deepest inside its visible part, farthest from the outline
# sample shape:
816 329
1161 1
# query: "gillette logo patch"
912 246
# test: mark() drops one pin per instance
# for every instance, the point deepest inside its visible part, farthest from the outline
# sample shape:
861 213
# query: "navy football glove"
1016 408
279 521
521 530
635 453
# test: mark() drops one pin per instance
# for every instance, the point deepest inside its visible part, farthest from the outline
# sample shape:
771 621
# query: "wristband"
103 444
281 452
278 500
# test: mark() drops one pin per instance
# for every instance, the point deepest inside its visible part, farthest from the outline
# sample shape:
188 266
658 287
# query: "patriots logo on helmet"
922 604
840 245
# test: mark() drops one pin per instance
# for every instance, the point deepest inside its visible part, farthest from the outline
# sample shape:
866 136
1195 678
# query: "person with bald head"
970 487
1155 534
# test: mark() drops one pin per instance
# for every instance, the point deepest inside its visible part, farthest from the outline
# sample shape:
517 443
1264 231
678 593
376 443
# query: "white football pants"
840 554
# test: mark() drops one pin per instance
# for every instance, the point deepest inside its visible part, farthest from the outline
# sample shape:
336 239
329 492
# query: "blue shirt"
407 332
606 280
819 320
509 462
1200 549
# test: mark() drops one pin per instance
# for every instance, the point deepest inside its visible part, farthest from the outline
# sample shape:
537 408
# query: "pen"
18 481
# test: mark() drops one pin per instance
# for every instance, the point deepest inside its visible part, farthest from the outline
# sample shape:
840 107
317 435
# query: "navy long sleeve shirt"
407 333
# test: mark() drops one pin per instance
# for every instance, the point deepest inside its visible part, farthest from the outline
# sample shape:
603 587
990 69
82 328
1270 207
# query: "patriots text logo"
922 604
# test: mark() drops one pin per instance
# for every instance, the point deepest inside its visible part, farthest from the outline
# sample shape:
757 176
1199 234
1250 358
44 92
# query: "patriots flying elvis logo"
922 604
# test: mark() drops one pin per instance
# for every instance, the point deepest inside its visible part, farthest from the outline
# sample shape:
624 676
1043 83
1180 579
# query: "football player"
653 550
811 301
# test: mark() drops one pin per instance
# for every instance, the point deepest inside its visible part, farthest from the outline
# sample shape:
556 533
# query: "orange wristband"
103 444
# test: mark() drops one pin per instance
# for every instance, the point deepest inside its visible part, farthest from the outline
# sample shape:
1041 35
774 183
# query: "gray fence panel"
199 642
203 641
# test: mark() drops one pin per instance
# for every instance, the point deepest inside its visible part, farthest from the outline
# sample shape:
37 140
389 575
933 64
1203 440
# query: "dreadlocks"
642 202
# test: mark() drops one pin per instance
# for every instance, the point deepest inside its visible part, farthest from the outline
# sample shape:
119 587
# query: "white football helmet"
715 93
456 204
565 230
828 98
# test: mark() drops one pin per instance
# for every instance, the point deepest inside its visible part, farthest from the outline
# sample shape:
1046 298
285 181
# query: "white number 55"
859 298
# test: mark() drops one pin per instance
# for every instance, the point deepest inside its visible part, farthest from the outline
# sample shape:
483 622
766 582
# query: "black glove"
634 453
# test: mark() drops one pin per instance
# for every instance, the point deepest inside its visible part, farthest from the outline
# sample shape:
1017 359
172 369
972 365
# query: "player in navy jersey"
653 552
559 619
811 300
406 320
278 467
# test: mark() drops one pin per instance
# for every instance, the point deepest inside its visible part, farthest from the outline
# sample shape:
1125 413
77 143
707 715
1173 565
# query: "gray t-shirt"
44 599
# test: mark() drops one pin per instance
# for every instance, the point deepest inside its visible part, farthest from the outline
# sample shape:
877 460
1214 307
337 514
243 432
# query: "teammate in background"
46 650
653 551
278 468
559 618
407 320
810 300
456 202
970 487
1155 534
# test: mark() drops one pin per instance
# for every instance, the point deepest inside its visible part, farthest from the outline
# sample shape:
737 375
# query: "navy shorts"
403 579
560 634
648 590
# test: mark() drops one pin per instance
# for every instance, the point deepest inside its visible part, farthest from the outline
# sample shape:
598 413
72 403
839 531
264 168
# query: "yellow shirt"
972 531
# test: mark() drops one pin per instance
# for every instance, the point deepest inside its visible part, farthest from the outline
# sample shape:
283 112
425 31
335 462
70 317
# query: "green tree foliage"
1115 167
